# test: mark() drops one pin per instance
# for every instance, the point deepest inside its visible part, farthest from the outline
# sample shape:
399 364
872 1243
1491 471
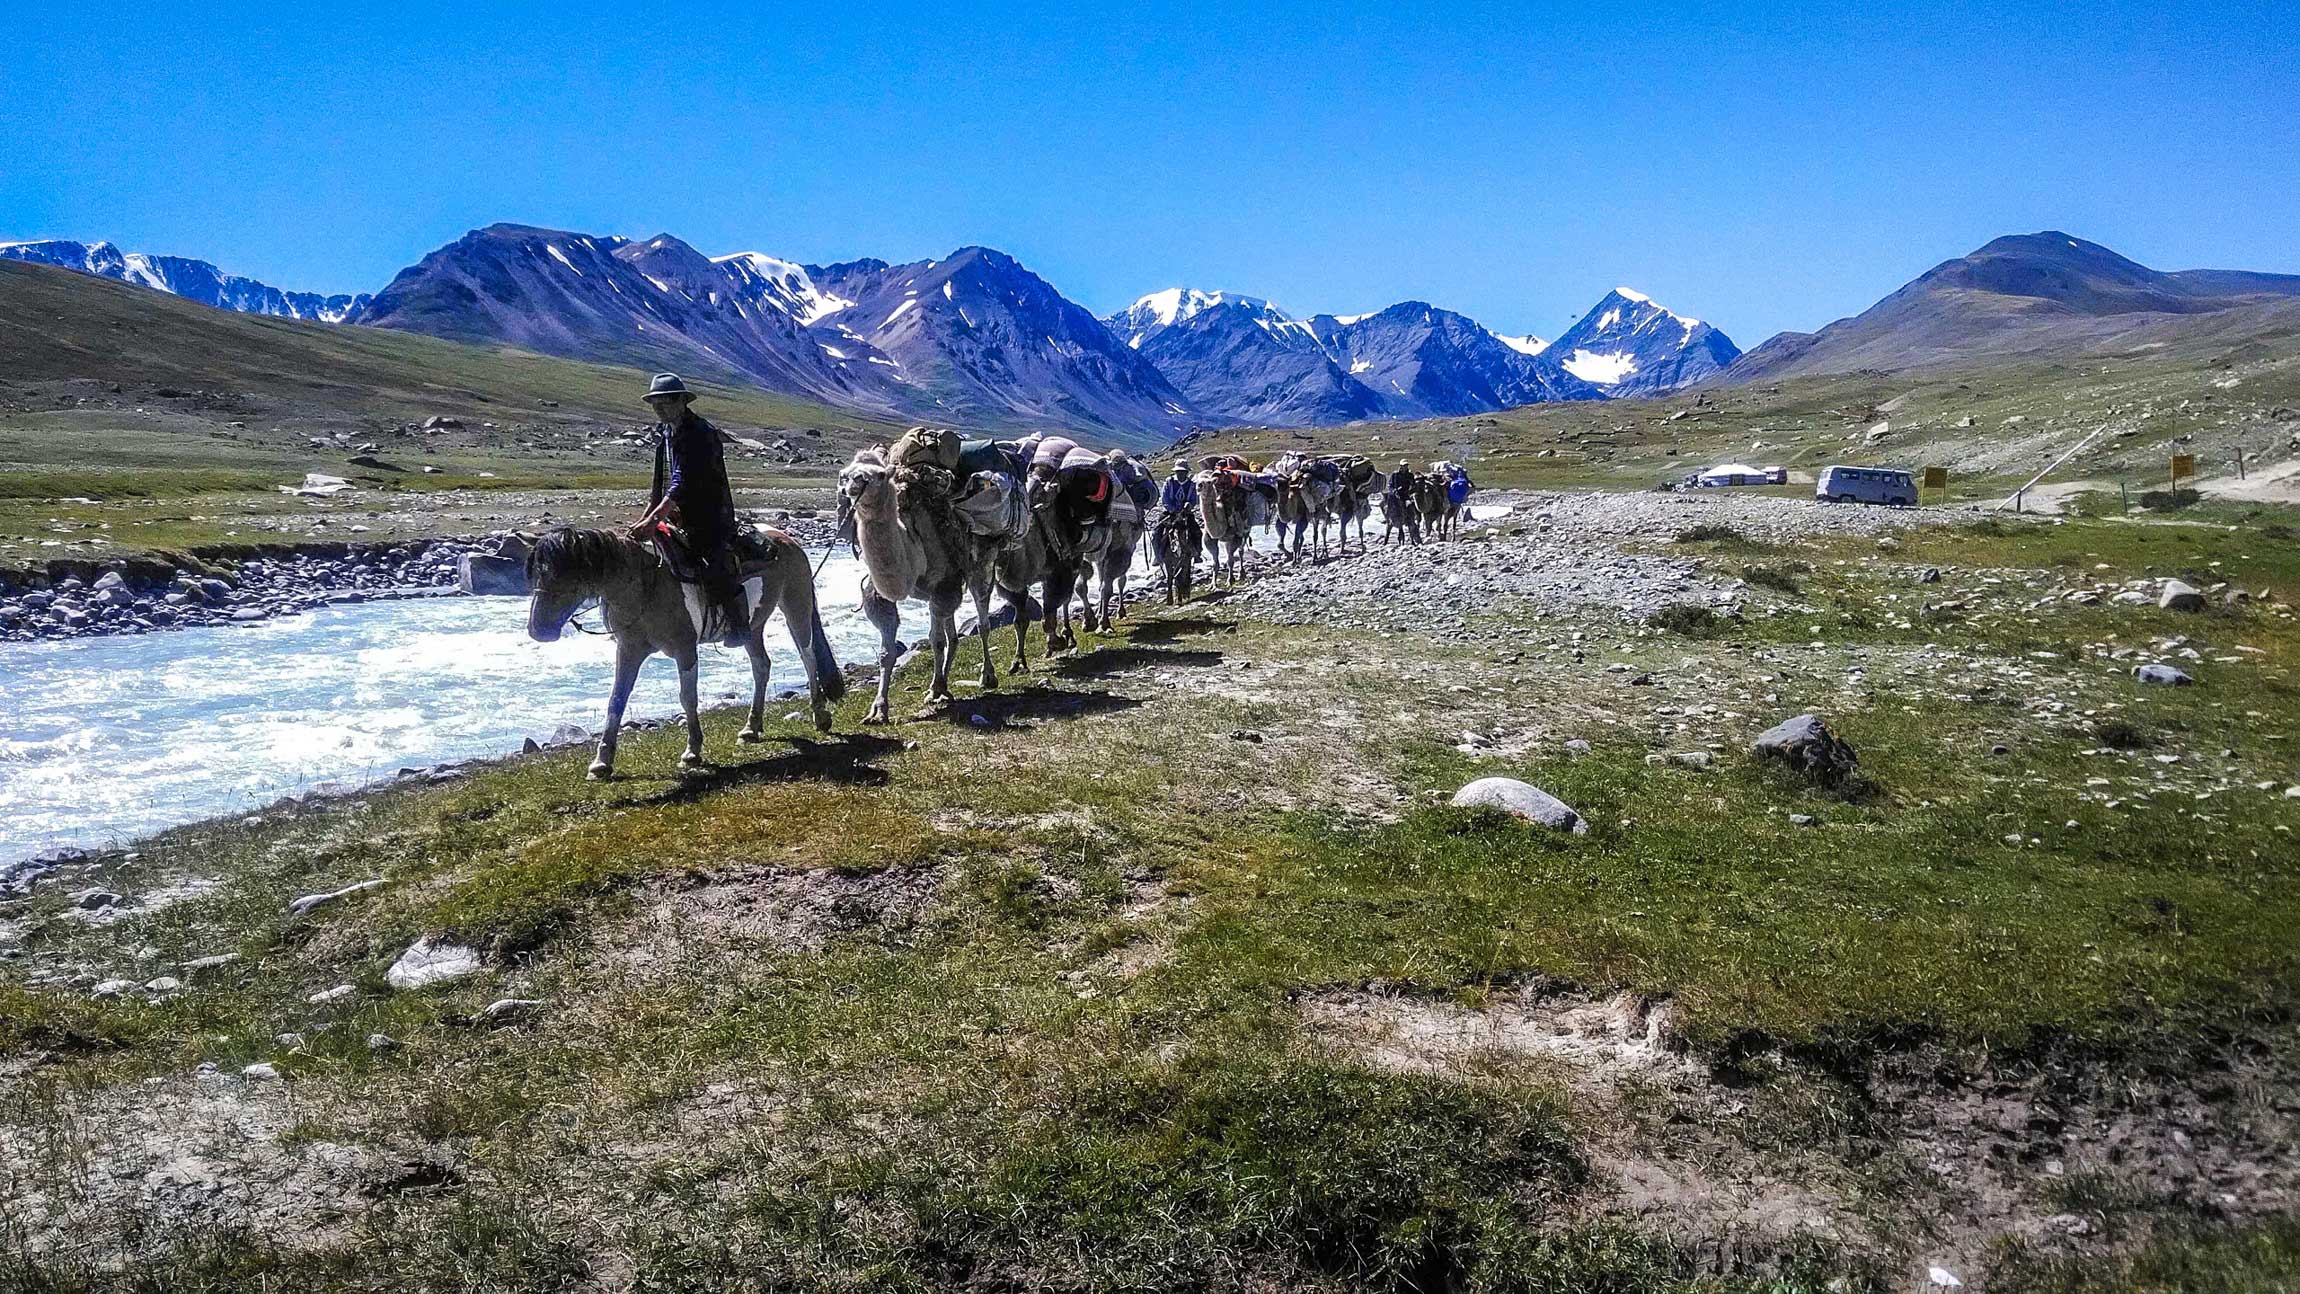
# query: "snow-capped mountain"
654 303
972 338
184 277
1629 345
1243 359
1427 362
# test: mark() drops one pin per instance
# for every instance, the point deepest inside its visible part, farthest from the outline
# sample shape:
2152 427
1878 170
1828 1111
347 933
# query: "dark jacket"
1180 494
1402 481
691 467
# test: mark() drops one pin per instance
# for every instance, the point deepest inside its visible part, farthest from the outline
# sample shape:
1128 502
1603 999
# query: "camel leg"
888 618
1021 662
942 636
981 592
628 658
690 702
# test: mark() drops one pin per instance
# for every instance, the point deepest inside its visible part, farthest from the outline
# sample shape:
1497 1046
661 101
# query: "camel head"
866 482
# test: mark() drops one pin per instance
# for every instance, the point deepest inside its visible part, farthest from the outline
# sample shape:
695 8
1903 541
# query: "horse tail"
827 674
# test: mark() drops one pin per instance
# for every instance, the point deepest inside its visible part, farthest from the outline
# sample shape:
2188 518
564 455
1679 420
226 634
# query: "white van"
1889 485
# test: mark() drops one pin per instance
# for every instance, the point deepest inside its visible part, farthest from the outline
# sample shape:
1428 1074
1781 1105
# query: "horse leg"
690 703
756 646
805 621
888 617
628 657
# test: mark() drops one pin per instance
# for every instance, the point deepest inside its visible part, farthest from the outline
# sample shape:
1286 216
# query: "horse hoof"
750 736
822 721
601 772
690 760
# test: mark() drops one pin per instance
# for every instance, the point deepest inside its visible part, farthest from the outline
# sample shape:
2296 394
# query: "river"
104 740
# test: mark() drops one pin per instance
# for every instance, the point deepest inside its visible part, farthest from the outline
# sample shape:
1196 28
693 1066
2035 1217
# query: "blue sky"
1760 166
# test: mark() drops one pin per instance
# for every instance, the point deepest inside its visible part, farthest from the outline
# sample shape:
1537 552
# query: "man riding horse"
691 496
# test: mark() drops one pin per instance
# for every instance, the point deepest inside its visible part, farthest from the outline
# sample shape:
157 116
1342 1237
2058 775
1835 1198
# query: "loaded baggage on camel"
986 479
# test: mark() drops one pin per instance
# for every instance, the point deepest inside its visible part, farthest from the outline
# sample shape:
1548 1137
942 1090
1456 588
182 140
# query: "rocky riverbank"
133 595
147 594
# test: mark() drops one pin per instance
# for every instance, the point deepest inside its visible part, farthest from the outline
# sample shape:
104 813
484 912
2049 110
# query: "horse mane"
586 556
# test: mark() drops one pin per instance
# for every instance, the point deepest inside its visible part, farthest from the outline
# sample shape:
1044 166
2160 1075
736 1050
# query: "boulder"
1806 745
432 960
2166 675
485 576
2178 595
1521 800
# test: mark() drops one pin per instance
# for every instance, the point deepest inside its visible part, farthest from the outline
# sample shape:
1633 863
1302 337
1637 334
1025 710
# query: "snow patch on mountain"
1526 345
181 276
1605 370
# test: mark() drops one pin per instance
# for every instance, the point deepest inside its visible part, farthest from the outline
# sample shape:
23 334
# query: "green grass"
972 1092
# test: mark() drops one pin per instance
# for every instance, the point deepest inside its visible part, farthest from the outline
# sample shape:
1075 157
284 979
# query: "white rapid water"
104 740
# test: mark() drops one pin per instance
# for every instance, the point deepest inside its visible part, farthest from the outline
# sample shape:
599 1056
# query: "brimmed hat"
668 384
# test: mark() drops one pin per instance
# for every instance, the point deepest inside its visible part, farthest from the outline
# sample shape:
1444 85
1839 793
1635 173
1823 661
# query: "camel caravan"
942 519
1042 522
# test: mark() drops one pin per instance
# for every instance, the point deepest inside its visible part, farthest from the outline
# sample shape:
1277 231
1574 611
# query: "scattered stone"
305 905
113 987
2180 596
1806 745
94 900
379 1043
432 960
198 964
1803 820
327 995
261 1072
164 985
1691 759
2167 675
1577 747
1522 800
1246 735
508 1010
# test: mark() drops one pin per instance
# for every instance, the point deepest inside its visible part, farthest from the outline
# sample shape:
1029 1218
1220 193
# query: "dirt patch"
2077 1156
788 910
1598 1040
132 1169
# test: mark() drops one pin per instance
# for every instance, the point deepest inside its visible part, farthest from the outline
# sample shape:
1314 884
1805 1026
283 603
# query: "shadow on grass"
844 759
1118 660
1014 709
1172 627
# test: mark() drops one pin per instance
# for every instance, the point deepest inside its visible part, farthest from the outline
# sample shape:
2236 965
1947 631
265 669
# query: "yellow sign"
1936 478
2183 465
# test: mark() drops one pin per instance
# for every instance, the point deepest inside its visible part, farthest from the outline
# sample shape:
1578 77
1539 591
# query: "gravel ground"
1551 554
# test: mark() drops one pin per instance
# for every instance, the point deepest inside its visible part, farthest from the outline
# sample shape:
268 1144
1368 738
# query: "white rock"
113 987
260 1073
431 960
1523 800
327 995
2179 595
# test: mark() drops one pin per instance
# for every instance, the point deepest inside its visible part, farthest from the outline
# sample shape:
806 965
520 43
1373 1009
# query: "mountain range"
977 339
973 338
184 277
2044 295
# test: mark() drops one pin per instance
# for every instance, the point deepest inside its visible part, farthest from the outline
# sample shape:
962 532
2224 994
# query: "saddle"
746 548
